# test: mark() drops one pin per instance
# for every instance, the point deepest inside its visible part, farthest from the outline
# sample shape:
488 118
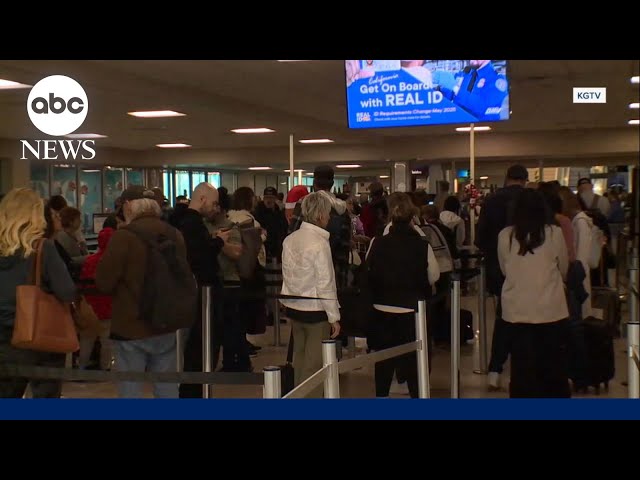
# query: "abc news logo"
57 106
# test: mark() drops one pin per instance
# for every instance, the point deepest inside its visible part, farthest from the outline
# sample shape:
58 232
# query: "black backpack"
170 294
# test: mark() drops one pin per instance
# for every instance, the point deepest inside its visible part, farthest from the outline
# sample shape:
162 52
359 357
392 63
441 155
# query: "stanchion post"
423 350
330 357
481 333
633 329
276 308
206 337
180 350
272 385
455 336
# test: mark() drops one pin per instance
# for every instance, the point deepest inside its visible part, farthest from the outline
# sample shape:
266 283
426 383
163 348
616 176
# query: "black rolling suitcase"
598 335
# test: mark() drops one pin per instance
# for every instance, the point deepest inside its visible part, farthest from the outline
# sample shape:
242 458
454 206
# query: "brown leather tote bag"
43 323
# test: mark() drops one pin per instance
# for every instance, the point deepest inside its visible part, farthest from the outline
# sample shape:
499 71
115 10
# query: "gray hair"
144 206
316 205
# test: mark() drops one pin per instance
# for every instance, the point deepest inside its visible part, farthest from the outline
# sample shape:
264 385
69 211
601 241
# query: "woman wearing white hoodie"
450 217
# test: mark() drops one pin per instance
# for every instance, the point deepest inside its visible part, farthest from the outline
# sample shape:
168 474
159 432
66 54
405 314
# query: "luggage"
608 301
442 327
598 337
287 380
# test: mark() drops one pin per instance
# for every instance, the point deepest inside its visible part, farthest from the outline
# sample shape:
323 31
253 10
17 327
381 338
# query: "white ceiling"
304 98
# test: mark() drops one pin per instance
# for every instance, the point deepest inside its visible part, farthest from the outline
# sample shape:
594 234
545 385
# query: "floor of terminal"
360 384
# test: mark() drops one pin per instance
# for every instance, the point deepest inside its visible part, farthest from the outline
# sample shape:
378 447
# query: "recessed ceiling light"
156 114
634 105
475 129
85 136
484 178
253 130
384 176
348 166
288 171
9 85
634 122
259 168
90 171
317 140
173 145
635 79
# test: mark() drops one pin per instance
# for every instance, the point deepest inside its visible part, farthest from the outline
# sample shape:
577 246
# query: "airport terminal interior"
268 124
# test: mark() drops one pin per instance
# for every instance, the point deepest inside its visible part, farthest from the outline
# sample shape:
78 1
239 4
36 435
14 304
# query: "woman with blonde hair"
22 224
401 270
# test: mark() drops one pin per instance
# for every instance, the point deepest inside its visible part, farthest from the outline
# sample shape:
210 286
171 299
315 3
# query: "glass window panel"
167 186
63 182
198 178
40 178
182 183
90 196
214 179
113 187
135 176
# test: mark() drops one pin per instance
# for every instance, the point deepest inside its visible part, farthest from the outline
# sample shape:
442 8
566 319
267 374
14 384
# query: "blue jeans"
153 354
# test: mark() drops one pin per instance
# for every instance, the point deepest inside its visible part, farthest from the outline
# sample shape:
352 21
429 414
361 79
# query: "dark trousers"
539 360
500 343
390 330
14 387
236 311
193 346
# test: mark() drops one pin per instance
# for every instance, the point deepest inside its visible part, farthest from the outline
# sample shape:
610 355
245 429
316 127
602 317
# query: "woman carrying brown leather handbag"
22 225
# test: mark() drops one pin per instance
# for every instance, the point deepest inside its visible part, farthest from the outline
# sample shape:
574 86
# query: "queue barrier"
329 374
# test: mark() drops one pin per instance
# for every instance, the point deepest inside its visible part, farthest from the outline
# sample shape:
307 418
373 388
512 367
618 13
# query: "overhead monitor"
410 93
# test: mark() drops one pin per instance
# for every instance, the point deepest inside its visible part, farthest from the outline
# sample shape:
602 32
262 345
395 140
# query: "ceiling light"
317 140
634 122
475 129
9 85
253 130
173 145
259 168
384 176
288 171
156 114
635 79
634 105
85 136
348 166
484 178
90 171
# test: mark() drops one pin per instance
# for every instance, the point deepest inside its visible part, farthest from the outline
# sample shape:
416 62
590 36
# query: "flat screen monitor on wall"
410 93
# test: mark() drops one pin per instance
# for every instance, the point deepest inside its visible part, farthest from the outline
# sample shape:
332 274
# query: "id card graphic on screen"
400 93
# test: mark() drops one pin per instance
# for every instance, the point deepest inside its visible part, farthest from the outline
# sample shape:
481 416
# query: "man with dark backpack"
154 293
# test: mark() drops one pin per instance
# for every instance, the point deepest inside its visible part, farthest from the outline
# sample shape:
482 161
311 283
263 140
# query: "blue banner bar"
317 409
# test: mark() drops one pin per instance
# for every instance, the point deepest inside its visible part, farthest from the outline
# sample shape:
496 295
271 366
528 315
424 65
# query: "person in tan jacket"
136 345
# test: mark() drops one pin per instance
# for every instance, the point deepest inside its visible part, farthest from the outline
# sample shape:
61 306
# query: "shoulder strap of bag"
35 275
594 202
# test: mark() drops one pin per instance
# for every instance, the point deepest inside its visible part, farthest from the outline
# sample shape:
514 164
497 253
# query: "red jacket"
101 304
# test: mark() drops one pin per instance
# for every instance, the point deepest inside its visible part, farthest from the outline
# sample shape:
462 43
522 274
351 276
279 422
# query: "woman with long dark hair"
533 258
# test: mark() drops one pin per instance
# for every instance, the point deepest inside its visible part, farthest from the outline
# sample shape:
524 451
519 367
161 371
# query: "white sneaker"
493 380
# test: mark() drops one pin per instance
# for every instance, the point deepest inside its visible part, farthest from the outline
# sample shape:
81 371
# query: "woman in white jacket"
581 224
307 271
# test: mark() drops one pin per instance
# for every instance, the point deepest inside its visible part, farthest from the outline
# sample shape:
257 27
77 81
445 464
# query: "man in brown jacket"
121 273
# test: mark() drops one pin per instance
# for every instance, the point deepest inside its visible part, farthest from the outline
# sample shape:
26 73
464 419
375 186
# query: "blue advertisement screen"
409 93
